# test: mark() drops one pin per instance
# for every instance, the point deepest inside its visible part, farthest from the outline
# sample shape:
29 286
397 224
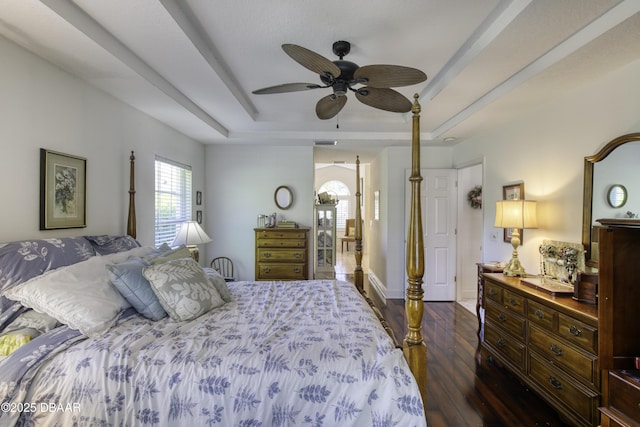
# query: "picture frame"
63 190
512 192
199 217
198 198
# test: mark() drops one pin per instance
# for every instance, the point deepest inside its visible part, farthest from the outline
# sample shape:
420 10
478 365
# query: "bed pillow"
181 252
32 319
135 288
106 245
218 281
183 289
80 295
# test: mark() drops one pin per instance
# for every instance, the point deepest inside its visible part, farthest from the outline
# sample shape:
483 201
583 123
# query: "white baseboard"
378 287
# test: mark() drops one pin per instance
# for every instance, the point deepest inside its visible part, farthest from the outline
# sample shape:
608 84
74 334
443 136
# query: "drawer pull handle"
501 342
297 255
574 331
296 270
502 317
267 255
539 314
491 291
556 350
513 302
555 383
266 270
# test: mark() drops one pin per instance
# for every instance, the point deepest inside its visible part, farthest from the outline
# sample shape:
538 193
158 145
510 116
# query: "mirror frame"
587 195
280 191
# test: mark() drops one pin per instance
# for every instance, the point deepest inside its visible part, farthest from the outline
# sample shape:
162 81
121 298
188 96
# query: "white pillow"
80 295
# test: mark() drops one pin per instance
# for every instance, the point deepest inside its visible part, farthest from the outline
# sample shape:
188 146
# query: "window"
173 199
340 191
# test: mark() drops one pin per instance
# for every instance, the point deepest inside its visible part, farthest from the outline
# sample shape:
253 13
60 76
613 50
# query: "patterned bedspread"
281 354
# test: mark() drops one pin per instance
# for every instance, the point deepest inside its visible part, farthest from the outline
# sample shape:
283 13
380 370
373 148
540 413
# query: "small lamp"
190 235
515 214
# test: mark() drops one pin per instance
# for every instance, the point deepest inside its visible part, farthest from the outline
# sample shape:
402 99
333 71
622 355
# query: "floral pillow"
183 289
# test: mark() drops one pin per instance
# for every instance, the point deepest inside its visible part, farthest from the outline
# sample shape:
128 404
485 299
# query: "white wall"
241 181
546 148
42 106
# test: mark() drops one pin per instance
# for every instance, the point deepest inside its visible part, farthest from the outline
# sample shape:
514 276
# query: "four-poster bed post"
359 280
414 347
131 217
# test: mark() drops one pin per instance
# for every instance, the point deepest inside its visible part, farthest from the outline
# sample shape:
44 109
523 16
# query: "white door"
439 203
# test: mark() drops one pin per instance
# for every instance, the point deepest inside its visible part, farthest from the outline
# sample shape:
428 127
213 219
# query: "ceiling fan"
370 83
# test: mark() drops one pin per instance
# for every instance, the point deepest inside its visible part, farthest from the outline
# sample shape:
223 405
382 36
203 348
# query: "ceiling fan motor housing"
343 82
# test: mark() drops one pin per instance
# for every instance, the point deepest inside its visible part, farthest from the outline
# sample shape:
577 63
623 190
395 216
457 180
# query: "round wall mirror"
283 197
617 196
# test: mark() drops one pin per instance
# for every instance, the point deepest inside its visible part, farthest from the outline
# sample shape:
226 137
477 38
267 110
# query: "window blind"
173 199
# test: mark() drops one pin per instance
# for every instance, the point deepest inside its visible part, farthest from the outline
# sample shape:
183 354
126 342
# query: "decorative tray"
550 286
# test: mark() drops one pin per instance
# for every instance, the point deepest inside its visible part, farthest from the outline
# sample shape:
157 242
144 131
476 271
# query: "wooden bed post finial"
131 218
414 347
359 279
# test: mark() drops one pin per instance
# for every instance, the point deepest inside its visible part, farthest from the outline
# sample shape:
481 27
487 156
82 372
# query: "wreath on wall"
474 197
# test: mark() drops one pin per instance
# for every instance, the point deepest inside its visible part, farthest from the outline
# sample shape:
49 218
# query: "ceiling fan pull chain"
337 121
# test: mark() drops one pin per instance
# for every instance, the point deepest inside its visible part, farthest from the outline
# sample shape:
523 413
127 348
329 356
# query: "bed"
98 350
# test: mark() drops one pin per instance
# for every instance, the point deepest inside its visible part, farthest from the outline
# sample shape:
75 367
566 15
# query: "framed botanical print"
63 190
512 192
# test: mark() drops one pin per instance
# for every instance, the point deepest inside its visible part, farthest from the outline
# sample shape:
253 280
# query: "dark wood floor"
462 388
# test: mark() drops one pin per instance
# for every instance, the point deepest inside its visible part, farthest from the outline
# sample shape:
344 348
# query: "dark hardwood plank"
462 388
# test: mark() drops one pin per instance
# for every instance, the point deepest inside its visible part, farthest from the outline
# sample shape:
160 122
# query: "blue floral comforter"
281 354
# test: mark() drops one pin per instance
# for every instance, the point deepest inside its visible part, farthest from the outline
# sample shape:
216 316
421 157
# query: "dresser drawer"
281 243
578 333
511 322
624 396
279 234
493 291
281 255
505 345
515 302
281 271
564 391
577 362
540 315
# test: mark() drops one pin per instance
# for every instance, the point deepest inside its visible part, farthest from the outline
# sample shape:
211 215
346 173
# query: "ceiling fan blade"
311 60
329 106
382 76
384 99
287 87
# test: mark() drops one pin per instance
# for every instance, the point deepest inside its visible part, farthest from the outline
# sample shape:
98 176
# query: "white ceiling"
194 63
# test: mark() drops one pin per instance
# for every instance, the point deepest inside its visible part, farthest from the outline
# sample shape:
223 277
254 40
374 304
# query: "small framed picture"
198 198
199 217
63 190
512 192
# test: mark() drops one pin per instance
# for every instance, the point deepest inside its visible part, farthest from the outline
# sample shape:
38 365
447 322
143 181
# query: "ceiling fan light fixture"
325 142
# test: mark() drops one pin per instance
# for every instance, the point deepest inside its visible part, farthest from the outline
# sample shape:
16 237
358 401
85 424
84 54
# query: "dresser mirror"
283 197
616 163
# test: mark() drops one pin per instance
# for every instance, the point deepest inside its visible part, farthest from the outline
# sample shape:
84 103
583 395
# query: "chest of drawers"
281 253
549 342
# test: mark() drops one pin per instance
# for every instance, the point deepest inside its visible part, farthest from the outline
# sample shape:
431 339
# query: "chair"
224 266
349 236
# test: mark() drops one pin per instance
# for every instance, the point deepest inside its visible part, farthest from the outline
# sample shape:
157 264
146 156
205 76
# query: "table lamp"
191 235
516 214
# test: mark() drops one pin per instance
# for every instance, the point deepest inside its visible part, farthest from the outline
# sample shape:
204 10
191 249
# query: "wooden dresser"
282 253
550 343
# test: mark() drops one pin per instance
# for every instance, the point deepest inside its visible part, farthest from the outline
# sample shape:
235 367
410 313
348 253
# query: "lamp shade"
191 234
516 214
